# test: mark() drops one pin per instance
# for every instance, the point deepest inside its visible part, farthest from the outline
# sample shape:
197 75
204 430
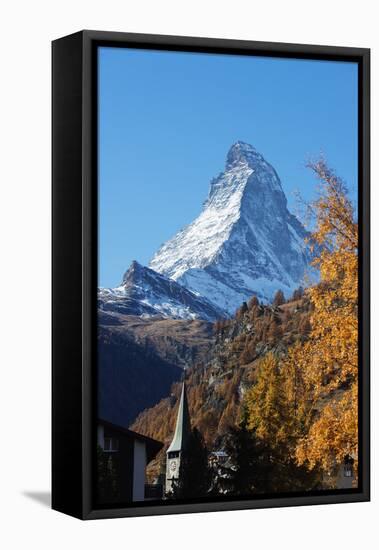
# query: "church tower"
179 442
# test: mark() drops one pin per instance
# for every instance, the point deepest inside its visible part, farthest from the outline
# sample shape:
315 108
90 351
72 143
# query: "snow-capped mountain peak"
145 292
244 242
242 153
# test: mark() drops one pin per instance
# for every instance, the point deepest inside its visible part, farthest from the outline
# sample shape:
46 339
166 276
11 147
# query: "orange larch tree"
328 360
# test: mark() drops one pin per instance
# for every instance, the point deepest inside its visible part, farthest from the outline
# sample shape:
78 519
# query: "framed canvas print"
210 274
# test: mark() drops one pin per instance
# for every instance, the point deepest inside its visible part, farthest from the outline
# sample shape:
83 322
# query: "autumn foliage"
310 398
328 360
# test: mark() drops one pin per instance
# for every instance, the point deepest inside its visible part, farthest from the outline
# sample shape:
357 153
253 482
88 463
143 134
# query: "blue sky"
167 120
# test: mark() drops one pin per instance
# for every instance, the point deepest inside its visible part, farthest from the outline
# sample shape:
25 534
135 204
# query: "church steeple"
180 440
183 424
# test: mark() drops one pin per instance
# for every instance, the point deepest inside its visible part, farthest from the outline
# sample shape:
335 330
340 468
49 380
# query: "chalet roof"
183 424
152 445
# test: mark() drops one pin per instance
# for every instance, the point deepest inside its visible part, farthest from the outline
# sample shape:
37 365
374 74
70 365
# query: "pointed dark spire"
183 424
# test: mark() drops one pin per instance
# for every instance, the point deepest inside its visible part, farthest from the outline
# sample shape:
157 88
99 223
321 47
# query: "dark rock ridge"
140 357
179 342
146 292
131 378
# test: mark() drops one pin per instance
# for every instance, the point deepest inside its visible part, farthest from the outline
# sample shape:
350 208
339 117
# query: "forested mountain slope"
217 385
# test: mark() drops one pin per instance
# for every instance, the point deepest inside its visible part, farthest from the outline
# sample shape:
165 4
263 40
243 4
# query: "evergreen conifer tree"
194 475
248 466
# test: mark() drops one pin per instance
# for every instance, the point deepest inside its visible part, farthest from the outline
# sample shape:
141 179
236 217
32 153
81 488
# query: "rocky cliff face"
245 241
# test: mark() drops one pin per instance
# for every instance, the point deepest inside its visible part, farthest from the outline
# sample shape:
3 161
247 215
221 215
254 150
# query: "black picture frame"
74 266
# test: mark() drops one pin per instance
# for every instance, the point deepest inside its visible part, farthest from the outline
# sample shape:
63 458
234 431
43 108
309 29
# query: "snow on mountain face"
244 242
145 292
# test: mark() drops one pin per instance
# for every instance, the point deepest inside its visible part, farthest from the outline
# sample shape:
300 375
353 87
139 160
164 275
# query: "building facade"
126 454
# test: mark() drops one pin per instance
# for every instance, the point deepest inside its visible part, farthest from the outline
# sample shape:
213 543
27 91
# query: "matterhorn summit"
244 242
